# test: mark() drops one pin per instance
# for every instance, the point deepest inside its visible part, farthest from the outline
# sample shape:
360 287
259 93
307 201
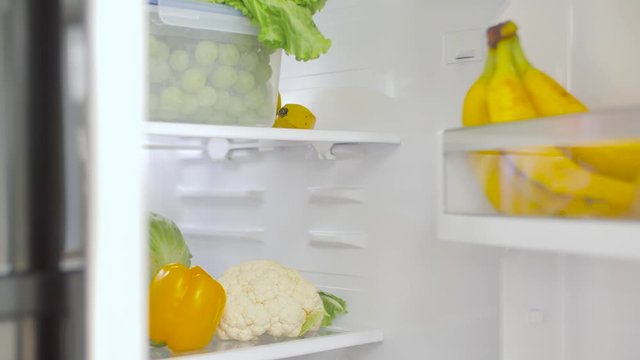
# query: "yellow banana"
548 97
507 190
474 109
620 160
541 180
507 98
511 193
295 116
549 166
278 103
486 165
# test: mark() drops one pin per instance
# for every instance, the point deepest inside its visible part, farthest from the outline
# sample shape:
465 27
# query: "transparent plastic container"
578 166
206 66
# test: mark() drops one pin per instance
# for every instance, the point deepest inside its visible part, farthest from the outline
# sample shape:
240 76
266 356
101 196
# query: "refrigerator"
378 204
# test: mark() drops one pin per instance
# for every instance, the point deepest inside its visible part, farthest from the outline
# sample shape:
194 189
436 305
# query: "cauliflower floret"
266 297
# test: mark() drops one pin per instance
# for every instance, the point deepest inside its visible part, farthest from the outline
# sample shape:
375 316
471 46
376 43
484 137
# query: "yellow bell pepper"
185 307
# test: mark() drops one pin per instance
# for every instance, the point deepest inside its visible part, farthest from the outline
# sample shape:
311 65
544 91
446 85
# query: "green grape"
250 118
236 107
206 52
179 60
267 110
243 40
189 104
171 98
158 50
193 80
221 117
254 98
230 120
222 101
206 69
204 114
248 61
245 82
262 73
153 46
207 96
201 117
264 57
172 80
267 50
224 77
269 95
159 71
154 101
167 114
228 54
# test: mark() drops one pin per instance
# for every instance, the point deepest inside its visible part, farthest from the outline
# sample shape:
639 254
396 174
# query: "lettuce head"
166 244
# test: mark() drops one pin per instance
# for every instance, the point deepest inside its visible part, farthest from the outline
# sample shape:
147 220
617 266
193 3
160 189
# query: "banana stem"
493 36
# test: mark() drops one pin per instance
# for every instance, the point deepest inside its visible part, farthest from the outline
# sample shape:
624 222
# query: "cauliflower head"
266 297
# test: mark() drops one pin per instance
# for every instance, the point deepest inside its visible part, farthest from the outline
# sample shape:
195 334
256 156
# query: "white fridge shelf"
270 349
258 133
467 215
222 141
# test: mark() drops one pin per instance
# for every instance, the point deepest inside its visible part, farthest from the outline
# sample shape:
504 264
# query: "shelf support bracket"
324 150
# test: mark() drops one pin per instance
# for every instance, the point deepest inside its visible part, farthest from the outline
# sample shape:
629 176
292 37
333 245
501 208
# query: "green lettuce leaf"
333 306
238 4
285 24
313 5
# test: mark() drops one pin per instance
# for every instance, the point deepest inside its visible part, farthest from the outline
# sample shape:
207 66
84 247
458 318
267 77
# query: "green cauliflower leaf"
333 306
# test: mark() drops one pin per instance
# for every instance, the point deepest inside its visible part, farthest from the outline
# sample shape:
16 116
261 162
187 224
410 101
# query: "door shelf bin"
567 183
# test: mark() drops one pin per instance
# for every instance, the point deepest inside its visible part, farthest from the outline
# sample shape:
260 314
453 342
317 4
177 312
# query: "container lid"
203 15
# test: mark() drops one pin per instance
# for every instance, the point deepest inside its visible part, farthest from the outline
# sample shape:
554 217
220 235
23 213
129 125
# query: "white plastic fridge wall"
384 73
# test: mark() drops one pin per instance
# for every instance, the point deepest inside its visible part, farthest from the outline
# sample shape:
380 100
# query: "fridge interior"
358 205
369 224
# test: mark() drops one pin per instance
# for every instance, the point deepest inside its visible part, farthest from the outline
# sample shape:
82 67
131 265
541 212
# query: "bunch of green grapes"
206 81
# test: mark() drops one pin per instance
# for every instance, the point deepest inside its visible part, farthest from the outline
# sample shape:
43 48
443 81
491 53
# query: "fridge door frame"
116 282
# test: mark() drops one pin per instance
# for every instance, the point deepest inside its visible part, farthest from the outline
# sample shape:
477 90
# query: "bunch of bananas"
537 181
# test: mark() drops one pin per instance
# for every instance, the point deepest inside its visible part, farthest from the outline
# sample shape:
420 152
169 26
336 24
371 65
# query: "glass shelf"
269 348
